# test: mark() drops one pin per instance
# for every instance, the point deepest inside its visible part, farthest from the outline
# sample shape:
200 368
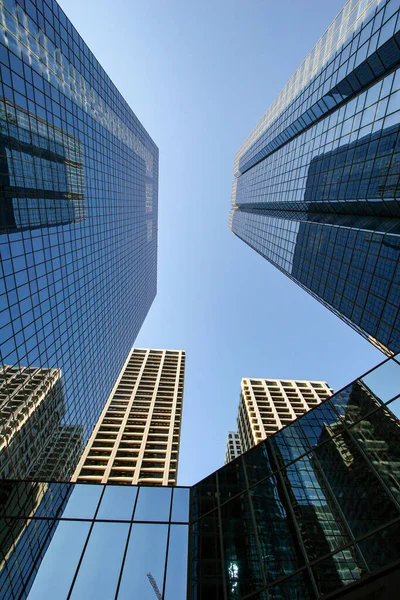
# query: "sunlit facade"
316 183
136 439
233 447
311 512
78 219
268 405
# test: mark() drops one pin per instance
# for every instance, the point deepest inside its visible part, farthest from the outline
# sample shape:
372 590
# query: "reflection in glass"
58 568
153 504
180 505
383 381
176 581
83 502
313 422
231 479
276 533
146 554
243 571
354 484
101 565
117 503
349 567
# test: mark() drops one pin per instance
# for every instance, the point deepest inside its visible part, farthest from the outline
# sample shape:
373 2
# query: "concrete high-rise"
136 439
316 188
267 405
233 447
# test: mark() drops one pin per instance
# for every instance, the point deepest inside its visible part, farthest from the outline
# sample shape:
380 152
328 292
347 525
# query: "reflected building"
137 437
34 441
41 172
309 513
78 231
267 405
316 183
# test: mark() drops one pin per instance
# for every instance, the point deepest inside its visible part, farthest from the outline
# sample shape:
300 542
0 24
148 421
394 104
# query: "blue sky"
199 75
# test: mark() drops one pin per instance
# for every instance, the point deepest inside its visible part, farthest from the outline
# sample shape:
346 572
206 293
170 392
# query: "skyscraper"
317 181
136 439
78 214
233 447
267 405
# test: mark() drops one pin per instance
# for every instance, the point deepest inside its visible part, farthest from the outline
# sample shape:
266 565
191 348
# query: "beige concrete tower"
267 405
136 439
233 447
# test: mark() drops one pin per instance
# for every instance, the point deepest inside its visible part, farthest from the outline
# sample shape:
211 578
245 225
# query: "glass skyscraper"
78 232
317 182
311 512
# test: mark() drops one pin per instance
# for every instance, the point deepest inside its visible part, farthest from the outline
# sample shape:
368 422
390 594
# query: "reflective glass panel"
382 548
378 434
394 407
206 567
204 496
153 504
338 570
315 422
361 497
117 503
180 505
352 403
243 571
83 502
258 462
289 444
176 581
384 382
101 565
59 564
231 479
317 517
275 530
146 553
296 587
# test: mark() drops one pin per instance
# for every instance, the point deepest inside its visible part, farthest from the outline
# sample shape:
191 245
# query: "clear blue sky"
199 75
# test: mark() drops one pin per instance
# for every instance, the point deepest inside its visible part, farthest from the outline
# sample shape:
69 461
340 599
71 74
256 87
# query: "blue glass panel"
101 565
58 567
384 382
394 406
180 505
83 502
176 581
117 503
146 554
153 504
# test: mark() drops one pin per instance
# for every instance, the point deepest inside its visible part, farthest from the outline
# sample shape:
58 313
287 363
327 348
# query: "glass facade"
317 182
303 514
78 237
312 511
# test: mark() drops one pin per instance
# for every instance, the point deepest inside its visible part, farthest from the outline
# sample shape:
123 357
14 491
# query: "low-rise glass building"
312 512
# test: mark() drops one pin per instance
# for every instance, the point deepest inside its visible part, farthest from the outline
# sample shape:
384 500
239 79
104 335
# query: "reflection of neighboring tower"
33 441
23 541
136 439
267 405
41 173
61 455
32 406
233 447
375 434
